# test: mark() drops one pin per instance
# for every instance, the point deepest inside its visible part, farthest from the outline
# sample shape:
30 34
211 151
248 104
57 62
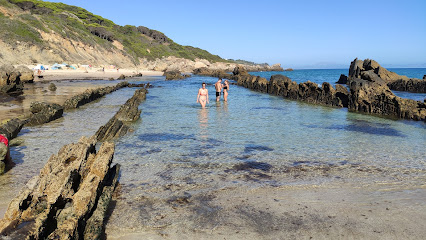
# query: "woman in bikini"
225 90
203 96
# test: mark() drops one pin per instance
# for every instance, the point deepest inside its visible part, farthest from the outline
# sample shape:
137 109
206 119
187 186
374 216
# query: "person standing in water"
218 86
225 90
203 95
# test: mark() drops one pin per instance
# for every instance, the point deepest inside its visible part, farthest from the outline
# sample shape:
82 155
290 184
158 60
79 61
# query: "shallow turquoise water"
176 144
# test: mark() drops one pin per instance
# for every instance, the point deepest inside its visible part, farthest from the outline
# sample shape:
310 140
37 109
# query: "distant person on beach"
203 95
218 86
225 90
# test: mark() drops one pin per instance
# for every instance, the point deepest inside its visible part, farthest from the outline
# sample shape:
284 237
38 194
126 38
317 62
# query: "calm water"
178 145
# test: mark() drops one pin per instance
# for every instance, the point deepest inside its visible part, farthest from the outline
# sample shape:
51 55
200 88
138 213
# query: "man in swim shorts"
218 86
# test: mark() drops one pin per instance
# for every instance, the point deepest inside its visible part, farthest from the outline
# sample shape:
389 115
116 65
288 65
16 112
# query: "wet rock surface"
118 125
11 128
68 198
44 113
375 98
91 95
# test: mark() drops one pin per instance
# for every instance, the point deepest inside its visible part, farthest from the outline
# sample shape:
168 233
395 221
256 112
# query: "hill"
34 31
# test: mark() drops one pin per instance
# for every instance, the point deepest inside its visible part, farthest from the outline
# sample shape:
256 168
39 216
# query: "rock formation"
91 95
121 77
68 199
11 128
283 86
175 75
10 81
44 113
375 98
372 71
27 75
118 125
289 69
52 87
343 79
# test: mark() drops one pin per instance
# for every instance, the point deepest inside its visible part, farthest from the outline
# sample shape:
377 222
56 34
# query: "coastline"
91 74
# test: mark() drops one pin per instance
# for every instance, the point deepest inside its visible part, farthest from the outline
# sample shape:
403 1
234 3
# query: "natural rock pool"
244 169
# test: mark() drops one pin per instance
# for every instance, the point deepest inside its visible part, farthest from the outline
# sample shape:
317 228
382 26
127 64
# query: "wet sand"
68 83
317 203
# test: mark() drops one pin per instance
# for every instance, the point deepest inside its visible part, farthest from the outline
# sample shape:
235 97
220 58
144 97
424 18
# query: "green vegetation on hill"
78 24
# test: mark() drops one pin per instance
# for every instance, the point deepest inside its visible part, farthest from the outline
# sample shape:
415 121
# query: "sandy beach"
67 86
91 74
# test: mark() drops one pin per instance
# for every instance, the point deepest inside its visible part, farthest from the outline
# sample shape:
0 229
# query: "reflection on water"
203 115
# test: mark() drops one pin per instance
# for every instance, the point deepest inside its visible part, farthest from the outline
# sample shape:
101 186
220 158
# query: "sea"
179 149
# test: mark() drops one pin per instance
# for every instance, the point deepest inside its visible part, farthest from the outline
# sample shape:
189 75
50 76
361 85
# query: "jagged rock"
240 70
27 75
121 77
371 97
44 113
370 70
343 79
91 95
117 126
52 87
10 80
11 128
175 75
63 201
410 85
424 77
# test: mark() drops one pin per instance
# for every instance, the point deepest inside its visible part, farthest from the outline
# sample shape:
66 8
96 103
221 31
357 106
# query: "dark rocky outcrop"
343 79
91 95
175 75
118 125
44 113
68 199
375 98
121 77
289 69
410 85
372 71
52 87
10 81
424 77
212 72
283 86
11 128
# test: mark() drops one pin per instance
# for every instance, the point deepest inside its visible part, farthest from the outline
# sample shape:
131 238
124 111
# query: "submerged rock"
68 199
52 87
117 126
44 113
91 95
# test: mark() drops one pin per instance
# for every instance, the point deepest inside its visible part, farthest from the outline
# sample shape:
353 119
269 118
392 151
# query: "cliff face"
34 32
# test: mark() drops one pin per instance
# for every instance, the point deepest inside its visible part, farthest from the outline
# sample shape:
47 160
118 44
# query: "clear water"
179 148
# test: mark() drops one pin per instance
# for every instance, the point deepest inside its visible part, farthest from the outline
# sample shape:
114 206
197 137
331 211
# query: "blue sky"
297 34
